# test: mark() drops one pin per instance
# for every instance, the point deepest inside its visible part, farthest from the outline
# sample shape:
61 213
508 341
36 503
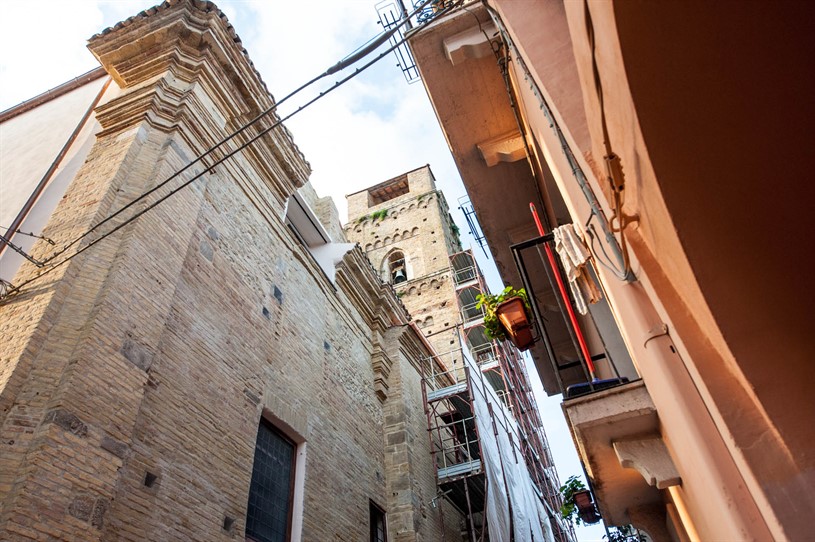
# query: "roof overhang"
468 91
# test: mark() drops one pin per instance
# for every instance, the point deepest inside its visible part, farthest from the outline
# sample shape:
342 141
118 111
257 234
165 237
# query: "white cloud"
40 52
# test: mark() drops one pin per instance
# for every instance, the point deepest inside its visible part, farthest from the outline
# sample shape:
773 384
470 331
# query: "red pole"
566 301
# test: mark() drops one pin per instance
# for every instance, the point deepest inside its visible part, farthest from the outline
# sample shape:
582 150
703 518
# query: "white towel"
573 255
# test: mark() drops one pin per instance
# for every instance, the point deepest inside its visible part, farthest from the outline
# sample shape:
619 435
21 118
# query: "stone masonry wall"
136 374
251 327
415 512
417 223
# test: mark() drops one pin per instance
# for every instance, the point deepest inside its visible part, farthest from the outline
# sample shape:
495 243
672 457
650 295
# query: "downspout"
38 190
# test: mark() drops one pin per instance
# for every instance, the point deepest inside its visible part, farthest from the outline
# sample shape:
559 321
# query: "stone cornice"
181 64
381 364
379 307
376 302
159 104
415 349
136 49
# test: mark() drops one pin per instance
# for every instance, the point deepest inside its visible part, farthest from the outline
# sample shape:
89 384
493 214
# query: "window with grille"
268 516
378 531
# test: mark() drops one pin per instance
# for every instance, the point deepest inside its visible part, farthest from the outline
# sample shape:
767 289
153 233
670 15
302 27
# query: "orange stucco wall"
701 139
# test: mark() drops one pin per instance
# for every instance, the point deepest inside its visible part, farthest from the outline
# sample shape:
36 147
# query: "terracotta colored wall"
727 117
693 110
718 114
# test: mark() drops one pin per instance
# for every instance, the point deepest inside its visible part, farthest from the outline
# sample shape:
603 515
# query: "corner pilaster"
87 336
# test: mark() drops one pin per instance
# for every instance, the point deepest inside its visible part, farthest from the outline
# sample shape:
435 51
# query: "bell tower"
405 228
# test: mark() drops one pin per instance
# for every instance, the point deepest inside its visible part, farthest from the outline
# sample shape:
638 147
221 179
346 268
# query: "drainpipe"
614 245
404 11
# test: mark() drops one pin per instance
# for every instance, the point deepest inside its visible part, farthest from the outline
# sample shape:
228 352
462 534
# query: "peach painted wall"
29 143
710 400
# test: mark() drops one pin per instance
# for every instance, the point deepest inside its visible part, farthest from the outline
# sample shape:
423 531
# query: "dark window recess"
268 516
149 479
378 531
388 190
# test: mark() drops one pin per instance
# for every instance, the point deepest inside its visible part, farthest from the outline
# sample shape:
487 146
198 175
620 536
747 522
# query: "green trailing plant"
570 513
381 214
455 229
488 302
568 510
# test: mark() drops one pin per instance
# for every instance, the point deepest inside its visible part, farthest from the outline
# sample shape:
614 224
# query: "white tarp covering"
512 502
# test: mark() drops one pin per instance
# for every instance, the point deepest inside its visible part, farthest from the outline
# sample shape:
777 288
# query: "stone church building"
215 364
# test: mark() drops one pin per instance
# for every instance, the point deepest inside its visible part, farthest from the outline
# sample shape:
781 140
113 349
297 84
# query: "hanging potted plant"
578 504
506 316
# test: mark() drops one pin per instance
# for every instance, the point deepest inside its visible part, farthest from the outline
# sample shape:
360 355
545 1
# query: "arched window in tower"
397 271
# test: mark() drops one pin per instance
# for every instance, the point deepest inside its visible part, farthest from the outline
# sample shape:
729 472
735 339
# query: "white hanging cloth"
573 256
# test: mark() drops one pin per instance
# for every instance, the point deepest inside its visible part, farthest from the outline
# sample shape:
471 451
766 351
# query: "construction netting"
512 502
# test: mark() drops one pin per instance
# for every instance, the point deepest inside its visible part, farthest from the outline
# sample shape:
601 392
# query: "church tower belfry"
406 230
405 227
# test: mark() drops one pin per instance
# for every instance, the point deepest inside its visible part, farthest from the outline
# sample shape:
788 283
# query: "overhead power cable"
29 234
339 66
20 251
348 61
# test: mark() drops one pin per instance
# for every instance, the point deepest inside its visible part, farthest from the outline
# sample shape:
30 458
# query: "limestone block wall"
190 339
415 513
135 375
249 333
325 210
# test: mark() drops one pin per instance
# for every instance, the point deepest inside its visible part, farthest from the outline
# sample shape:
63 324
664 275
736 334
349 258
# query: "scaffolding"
484 426
454 443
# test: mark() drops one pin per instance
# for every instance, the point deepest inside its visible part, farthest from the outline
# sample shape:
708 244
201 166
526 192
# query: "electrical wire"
361 52
349 60
591 231
618 246
29 234
617 185
7 242
335 68
178 173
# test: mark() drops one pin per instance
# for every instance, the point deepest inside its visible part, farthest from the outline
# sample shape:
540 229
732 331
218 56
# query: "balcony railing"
570 368
471 313
464 275
485 355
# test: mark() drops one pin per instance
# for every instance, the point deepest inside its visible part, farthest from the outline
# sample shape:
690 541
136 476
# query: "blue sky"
373 128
